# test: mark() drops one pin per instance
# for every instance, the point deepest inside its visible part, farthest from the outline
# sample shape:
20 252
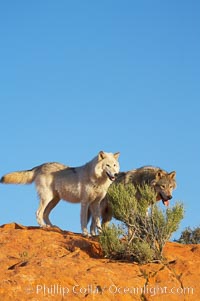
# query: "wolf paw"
86 234
93 233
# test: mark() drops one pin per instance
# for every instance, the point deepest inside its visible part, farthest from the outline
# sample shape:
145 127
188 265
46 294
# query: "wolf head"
164 183
108 165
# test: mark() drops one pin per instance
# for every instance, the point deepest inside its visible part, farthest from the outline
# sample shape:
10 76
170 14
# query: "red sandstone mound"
50 264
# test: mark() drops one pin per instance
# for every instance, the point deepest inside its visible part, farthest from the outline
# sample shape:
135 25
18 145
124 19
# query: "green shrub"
111 242
190 236
140 236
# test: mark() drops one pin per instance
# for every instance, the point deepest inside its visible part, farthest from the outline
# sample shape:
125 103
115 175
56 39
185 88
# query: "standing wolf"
87 184
163 183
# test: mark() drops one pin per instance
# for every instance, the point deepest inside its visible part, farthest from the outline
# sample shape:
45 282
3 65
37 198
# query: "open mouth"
111 177
165 202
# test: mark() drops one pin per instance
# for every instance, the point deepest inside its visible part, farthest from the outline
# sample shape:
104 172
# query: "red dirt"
50 264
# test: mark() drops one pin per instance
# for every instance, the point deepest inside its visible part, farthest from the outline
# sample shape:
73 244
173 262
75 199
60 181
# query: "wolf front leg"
84 217
96 215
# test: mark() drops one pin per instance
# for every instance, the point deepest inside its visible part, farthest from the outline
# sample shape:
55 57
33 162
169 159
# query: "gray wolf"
163 183
87 184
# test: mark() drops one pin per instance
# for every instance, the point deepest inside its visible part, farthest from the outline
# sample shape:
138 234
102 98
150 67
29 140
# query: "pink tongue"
166 203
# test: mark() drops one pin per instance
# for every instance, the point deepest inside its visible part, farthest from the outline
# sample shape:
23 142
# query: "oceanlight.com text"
150 290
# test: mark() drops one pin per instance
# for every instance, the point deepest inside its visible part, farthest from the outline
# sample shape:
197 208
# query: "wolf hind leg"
48 209
39 216
45 198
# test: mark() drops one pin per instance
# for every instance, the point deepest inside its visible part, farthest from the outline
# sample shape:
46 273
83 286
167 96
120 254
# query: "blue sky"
78 77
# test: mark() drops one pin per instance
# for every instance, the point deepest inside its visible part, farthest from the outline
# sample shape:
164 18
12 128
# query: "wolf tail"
19 177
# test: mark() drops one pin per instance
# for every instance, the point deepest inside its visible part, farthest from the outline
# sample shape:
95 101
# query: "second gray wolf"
163 183
87 184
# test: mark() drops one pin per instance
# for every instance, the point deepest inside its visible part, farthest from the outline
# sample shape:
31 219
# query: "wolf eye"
162 186
107 165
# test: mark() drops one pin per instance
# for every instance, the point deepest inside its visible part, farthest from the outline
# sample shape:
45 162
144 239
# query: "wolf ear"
101 155
116 155
172 175
159 174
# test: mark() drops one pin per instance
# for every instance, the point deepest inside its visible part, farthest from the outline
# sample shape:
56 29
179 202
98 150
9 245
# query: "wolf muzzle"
111 176
166 200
